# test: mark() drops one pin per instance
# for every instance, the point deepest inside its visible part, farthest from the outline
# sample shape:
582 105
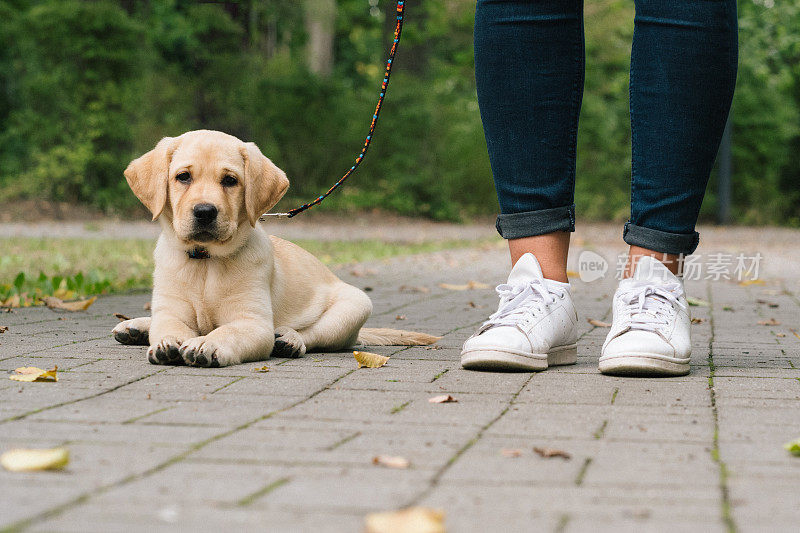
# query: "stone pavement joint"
165 448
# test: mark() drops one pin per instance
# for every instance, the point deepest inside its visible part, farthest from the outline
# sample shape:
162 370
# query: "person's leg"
683 72
529 69
529 59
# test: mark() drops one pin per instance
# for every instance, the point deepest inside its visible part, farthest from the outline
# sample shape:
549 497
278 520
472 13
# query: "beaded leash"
397 29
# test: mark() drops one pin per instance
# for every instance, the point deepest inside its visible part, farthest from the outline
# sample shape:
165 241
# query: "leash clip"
263 217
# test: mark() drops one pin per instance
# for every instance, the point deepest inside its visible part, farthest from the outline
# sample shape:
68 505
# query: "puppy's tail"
394 337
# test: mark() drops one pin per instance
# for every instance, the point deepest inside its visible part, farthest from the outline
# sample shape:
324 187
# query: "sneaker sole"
502 361
643 365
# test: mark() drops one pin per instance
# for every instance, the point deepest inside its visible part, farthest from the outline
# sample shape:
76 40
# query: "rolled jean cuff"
532 223
660 241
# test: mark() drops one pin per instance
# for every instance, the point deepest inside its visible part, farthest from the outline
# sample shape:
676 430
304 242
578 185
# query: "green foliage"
87 86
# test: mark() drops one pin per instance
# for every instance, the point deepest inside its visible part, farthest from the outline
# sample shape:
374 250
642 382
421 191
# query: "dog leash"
397 30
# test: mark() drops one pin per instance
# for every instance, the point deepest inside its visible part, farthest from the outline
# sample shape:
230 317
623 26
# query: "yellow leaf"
31 373
370 360
22 460
391 462
261 369
444 398
747 282
469 285
411 520
56 303
598 323
572 274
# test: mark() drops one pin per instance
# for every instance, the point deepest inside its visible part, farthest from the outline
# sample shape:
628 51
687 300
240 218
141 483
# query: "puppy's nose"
205 212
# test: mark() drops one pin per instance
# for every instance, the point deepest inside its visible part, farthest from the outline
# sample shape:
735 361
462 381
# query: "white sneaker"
534 326
650 332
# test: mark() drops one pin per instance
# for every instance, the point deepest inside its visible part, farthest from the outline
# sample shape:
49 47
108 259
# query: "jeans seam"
633 127
575 111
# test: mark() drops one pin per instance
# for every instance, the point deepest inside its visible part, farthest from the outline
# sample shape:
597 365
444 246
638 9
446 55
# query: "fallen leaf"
411 288
390 461
794 332
400 317
467 286
22 460
770 304
56 303
30 374
793 447
11 301
510 452
552 452
261 369
370 360
696 320
780 335
444 398
697 302
411 520
474 305
572 274
770 322
747 282
598 323
3 329
728 308
121 317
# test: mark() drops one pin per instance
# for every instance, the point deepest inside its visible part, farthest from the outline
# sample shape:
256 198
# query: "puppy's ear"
148 175
265 183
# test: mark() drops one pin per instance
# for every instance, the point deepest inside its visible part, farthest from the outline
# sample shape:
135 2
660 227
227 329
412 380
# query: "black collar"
198 253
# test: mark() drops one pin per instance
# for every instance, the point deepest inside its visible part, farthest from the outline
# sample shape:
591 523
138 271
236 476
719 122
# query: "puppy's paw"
288 343
166 352
133 332
202 352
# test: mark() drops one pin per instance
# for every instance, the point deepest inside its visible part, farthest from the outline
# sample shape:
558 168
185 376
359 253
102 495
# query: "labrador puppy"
225 292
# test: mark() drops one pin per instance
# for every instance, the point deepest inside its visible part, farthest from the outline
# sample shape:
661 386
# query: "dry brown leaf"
474 305
552 452
56 303
147 306
780 335
769 304
412 288
400 317
261 369
511 452
472 284
770 322
3 329
411 520
390 461
29 374
121 317
22 460
11 301
369 359
696 320
598 323
794 332
444 398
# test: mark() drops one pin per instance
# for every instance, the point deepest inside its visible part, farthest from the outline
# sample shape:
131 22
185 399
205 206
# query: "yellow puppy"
224 291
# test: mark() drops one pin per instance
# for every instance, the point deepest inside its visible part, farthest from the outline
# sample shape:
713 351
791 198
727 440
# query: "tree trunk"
320 18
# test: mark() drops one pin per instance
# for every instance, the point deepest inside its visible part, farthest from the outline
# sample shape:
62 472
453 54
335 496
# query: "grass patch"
71 268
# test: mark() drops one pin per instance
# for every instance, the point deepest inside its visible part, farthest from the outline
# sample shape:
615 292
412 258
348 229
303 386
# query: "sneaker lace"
649 306
518 300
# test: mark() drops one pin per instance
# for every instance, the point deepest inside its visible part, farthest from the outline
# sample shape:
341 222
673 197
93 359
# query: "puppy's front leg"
237 342
167 333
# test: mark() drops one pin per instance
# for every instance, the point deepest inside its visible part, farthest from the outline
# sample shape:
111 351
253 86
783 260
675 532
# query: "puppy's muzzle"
205 222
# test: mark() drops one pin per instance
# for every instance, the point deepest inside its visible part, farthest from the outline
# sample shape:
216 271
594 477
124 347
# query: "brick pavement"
176 448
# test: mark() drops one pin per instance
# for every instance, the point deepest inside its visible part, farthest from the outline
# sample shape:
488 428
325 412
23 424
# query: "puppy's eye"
184 177
229 181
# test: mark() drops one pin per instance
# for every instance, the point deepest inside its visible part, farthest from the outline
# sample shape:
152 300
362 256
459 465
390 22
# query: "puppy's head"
207 184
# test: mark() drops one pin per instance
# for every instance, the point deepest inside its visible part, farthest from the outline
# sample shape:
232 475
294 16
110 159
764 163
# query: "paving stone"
159 448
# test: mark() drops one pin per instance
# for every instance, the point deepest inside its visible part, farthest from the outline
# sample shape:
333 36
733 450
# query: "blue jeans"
529 69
